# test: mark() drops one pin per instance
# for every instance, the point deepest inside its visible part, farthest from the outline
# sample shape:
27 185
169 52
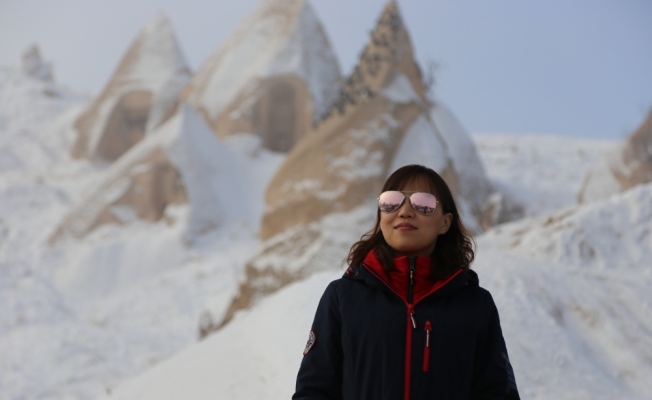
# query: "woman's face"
410 233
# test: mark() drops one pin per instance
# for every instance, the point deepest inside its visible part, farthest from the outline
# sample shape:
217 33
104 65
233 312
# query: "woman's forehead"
418 184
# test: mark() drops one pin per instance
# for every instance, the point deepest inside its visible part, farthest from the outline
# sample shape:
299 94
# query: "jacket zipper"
426 347
411 324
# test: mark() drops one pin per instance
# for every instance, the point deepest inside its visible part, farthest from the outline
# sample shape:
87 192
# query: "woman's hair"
453 250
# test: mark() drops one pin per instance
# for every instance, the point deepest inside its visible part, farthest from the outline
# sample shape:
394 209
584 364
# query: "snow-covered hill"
78 317
539 173
119 310
574 331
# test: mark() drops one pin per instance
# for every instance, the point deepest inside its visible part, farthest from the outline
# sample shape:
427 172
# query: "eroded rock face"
637 157
139 186
274 76
626 166
141 94
345 161
322 199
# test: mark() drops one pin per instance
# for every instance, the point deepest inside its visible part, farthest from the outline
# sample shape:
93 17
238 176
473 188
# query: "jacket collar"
377 278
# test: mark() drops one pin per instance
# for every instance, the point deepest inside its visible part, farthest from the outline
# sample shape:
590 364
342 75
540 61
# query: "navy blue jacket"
368 343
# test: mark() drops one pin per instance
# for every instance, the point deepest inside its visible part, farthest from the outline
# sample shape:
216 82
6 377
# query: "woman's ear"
446 223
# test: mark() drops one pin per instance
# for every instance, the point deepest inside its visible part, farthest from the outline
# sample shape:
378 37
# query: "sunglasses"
392 200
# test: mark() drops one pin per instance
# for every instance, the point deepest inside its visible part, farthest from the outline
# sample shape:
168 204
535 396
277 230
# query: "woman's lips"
405 227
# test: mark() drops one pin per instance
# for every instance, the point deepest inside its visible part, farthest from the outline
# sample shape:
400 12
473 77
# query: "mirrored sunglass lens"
423 203
390 201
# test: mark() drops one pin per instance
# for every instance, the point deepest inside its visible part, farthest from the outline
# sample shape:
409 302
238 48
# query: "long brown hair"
453 250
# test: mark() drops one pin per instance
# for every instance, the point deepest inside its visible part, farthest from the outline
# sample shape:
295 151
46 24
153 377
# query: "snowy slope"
256 356
463 150
79 317
540 173
79 320
573 331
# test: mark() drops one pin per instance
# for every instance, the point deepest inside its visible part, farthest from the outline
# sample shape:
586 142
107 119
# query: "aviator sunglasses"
422 203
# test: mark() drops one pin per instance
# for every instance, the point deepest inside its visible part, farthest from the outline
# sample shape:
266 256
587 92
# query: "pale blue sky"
581 67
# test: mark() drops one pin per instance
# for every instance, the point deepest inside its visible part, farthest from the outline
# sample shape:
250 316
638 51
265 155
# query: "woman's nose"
406 210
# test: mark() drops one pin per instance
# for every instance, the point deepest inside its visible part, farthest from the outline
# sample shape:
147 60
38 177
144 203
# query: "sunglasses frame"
409 197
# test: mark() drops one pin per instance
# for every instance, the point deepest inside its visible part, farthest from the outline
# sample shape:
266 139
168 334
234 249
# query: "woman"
408 319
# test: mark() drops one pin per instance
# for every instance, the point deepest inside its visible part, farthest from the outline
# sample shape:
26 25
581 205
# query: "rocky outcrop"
626 166
179 163
323 197
141 94
274 76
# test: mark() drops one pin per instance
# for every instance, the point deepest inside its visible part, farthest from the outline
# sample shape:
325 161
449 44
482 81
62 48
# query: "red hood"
399 277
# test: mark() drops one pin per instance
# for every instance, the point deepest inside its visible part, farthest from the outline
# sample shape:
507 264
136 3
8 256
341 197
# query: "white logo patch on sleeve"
312 338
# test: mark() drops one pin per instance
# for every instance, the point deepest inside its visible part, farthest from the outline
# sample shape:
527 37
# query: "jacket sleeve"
493 376
320 374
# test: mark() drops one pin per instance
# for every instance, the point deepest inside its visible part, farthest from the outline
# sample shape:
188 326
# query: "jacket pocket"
426 347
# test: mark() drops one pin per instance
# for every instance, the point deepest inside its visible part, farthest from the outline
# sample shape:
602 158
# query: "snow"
260 352
600 181
540 173
118 310
279 38
474 185
421 145
614 233
316 246
572 332
222 185
400 90
438 141
79 317
208 171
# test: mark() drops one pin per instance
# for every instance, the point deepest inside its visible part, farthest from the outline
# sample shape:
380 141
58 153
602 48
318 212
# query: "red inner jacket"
398 278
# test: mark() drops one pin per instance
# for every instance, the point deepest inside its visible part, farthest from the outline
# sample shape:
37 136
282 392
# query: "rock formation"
178 163
274 76
323 197
626 166
141 94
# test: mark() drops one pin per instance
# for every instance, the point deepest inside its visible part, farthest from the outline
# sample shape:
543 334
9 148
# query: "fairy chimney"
141 94
180 162
322 197
626 166
346 160
274 76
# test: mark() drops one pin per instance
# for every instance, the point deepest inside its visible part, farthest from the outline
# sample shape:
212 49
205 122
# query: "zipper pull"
411 312
426 348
